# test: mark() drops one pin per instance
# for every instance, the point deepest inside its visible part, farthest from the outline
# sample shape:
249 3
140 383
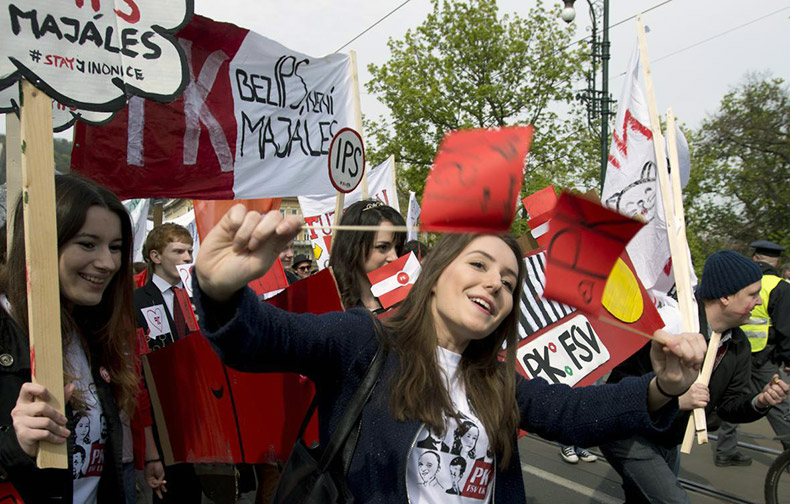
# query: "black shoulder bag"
313 475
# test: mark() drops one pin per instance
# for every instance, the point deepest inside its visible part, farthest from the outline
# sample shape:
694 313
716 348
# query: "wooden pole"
41 257
13 173
704 377
677 251
357 104
158 214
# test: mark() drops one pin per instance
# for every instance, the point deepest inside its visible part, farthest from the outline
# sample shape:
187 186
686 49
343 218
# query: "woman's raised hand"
677 361
35 421
241 248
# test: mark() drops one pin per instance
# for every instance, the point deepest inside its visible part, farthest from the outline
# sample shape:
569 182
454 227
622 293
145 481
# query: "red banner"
216 414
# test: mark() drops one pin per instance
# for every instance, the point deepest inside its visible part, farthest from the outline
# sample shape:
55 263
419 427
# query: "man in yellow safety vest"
768 331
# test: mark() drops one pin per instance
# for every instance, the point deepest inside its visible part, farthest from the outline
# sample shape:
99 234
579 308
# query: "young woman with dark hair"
95 277
357 253
442 368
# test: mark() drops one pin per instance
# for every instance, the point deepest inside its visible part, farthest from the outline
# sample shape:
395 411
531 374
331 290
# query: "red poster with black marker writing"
585 240
476 180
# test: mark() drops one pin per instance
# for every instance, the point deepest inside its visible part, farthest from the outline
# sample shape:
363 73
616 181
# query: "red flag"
539 207
585 240
391 283
475 180
272 282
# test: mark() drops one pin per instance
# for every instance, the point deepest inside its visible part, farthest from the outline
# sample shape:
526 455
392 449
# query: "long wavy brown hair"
419 391
350 249
107 329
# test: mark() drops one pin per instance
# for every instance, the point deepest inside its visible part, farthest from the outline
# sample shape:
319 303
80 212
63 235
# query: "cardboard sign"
566 353
584 243
185 272
91 55
346 160
553 335
475 180
157 320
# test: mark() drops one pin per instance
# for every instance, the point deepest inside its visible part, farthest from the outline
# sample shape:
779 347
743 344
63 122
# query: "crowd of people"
441 422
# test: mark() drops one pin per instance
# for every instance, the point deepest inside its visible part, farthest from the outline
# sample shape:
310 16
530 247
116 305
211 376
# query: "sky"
692 82
699 49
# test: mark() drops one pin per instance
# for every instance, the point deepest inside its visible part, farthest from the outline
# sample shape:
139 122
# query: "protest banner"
632 188
82 56
255 121
92 56
475 180
319 210
564 345
244 417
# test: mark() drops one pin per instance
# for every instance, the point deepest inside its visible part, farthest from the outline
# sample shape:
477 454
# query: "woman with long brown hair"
442 370
97 326
357 253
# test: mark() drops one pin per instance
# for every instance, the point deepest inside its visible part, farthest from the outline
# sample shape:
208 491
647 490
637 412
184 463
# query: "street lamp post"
597 101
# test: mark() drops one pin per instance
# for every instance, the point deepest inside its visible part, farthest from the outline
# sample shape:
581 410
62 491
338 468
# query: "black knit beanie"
725 273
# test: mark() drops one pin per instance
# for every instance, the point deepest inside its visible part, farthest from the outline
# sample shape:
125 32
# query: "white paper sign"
156 317
89 55
185 272
288 107
565 353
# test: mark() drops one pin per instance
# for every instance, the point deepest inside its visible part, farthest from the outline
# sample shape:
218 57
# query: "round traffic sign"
346 160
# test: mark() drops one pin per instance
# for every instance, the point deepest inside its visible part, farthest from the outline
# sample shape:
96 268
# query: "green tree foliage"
467 67
62 154
738 191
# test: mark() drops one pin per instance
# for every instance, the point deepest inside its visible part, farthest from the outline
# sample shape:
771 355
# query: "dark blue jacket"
50 485
335 350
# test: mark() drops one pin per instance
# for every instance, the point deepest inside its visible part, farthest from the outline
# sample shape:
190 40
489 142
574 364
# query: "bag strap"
352 411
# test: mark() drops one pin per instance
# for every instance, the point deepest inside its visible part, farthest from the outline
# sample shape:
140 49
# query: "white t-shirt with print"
90 430
456 465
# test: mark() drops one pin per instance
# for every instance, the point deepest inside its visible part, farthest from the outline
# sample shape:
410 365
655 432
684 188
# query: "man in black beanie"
768 332
729 290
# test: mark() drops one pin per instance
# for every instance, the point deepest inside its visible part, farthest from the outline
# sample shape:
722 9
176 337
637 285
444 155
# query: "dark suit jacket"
150 295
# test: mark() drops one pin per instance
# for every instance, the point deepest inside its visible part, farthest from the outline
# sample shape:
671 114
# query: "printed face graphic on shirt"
82 431
457 469
465 439
429 465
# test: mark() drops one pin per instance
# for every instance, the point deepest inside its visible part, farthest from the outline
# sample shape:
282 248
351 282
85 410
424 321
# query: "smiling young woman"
442 375
95 276
355 254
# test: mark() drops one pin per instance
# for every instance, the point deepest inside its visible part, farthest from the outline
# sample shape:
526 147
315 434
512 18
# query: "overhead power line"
373 25
720 34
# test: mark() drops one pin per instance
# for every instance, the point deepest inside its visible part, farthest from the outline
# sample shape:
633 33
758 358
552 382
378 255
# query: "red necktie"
183 317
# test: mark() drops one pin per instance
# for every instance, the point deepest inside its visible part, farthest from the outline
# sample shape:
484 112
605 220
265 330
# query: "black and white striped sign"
538 312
